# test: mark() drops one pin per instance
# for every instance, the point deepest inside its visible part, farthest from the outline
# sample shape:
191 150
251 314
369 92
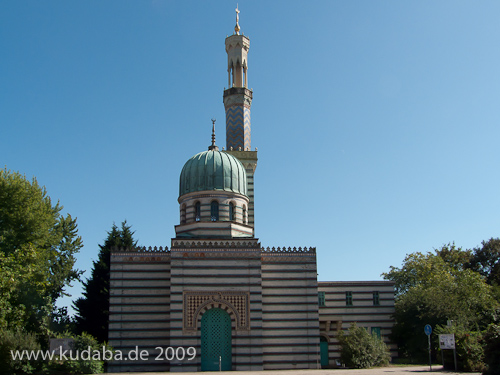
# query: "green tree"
433 288
455 257
486 260
469 348
492 349
359 349
37 249
86 362
93 308
18 340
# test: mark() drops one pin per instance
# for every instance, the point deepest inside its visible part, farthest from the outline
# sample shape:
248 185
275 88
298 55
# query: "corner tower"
237 103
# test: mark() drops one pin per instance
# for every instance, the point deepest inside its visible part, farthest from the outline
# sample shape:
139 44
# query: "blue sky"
377 122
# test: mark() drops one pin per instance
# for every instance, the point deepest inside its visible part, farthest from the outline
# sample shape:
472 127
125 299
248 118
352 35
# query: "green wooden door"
323 348
215 340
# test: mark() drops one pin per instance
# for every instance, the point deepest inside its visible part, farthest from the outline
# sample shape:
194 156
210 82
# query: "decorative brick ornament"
237 304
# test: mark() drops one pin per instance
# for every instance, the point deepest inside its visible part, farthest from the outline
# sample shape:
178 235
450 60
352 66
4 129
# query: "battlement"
140 249
216 244
284 249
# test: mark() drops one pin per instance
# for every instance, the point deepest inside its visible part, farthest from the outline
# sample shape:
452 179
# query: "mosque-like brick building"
242 306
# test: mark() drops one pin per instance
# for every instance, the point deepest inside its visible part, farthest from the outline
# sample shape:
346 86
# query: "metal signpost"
428 331
447 341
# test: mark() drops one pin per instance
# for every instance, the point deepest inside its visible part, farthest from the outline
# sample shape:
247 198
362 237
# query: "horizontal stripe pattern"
146 307
336 315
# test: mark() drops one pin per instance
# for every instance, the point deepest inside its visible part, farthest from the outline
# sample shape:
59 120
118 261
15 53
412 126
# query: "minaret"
237 103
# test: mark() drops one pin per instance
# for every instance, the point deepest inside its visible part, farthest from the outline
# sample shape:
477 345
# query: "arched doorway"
216 340
323 348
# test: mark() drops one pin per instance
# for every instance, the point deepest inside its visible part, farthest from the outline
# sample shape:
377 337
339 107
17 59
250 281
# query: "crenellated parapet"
208 244
285 254
284 249
141 249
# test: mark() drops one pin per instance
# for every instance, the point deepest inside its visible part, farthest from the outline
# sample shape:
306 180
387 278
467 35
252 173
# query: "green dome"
213 170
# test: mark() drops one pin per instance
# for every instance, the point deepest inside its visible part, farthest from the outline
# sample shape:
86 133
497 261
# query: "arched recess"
245 215
216 340
232 211
214 211
208 305
197 211
183 214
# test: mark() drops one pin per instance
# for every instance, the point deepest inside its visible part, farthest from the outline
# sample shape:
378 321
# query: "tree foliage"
486 261
18 340
492 349
37 249
359 349
80 365
469 348
436 287
93 308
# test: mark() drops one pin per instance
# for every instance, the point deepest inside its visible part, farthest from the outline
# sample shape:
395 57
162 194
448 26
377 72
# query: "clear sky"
377 122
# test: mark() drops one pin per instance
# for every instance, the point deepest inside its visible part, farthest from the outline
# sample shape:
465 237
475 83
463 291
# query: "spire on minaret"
237 27
213 146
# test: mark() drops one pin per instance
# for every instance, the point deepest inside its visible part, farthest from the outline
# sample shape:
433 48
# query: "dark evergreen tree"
93 308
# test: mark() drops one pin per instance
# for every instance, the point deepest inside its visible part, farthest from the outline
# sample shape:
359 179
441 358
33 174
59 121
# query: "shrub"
84 342
17 340
359 349
492 350
469 349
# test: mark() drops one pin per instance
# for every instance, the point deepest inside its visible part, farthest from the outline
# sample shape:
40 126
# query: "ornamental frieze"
237 305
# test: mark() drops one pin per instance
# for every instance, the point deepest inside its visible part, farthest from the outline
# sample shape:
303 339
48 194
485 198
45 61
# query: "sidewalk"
392 370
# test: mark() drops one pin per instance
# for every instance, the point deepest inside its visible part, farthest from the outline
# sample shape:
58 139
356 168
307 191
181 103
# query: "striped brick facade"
139 306
290 309
249 161
366 310
158 298
224 271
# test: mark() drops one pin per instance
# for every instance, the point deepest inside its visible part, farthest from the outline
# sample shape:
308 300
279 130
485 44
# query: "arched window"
245 216
183 214
231 212
197 211
214 211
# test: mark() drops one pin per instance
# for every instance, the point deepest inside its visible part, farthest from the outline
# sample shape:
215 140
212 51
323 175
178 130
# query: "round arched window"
232 211
197 211
214 211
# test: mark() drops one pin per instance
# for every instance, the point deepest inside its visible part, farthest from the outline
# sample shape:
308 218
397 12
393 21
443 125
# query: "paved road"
393 370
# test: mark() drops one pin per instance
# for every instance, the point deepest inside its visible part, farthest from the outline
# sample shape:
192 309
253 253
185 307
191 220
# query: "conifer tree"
93 308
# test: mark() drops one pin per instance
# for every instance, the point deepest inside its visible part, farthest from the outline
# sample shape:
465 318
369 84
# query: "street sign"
447 341
428 329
